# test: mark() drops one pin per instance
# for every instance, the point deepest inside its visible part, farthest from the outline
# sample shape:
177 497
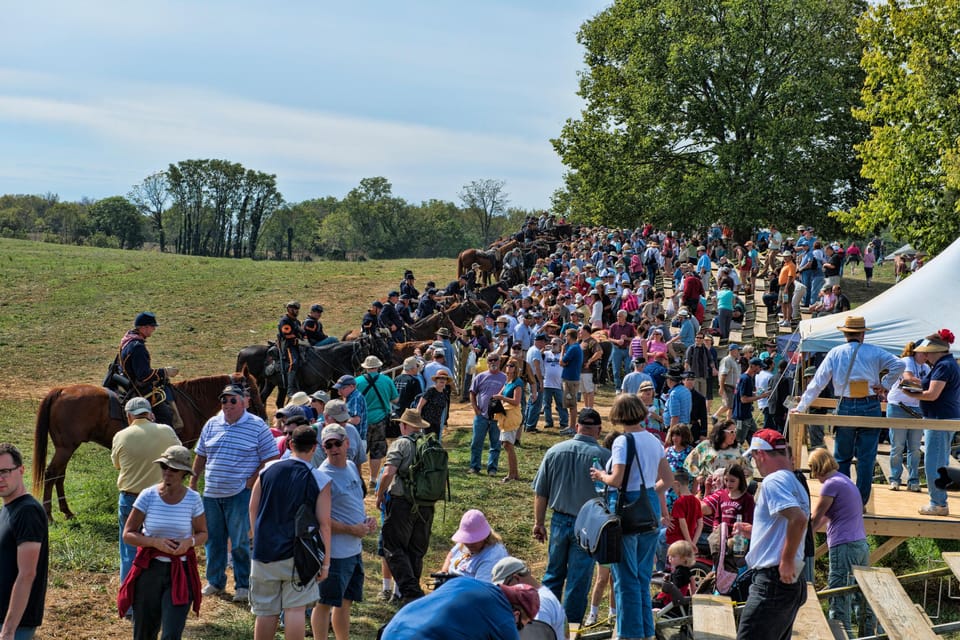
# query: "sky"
95 96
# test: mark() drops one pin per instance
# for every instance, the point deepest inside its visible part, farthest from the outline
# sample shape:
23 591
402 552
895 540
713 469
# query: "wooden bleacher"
713 618
811 621
898 614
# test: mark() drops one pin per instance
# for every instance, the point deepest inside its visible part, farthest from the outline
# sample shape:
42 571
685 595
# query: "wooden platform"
713 618
896 612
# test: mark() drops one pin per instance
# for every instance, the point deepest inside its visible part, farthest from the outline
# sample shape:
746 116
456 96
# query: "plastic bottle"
598 486
739 540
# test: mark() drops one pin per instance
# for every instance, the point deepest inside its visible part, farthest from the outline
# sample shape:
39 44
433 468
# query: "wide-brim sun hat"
854 324
473 528
372 362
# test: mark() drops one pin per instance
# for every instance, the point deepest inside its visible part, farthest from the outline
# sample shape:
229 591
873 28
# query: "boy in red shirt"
687 515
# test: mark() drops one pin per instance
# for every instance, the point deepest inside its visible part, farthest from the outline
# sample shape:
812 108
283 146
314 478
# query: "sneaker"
241 595
933 510
567 432
894 485
491 472
385 596
210 590
473 472
531 430
591 620
913 488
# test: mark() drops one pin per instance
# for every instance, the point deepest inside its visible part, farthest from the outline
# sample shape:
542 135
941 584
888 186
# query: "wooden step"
713 618
891 604
811 622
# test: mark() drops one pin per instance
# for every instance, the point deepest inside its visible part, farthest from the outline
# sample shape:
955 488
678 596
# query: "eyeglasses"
330 444
510 366
228 399
5 473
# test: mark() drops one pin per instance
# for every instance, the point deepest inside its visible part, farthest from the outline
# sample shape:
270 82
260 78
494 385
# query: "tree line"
758 111
218 208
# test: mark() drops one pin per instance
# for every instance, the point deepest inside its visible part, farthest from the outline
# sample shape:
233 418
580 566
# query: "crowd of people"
591 310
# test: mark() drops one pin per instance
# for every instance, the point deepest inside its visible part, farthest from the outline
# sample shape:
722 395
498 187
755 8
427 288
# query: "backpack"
427 479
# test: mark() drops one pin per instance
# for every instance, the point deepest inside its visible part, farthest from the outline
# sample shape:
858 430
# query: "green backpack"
427 479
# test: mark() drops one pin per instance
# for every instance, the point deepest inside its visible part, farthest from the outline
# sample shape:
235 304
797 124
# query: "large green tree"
118 217
911 100
738 110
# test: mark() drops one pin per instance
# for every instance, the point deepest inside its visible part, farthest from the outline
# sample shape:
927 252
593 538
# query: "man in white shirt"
553 385
511 571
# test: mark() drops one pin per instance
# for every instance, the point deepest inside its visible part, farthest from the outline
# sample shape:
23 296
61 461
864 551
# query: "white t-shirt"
649 452
551 612
551 370
896 394
596 314
762 383
779 491
162 520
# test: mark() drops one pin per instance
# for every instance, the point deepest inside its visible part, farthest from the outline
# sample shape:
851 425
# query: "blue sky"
94 96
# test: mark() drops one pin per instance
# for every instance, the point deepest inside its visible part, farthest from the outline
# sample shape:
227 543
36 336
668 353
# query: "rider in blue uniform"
313 328
147 382
289 335
389 318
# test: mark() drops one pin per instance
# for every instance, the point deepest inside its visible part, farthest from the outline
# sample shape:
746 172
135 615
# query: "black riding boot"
292 386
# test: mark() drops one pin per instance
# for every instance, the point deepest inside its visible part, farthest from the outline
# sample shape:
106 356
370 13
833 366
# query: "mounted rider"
313 328
389 319
289 335
407 288
145 381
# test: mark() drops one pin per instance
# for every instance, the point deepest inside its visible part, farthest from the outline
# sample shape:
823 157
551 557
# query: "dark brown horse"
81 413
489 262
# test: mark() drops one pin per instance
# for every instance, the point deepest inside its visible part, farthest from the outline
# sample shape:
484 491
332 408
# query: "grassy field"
62 312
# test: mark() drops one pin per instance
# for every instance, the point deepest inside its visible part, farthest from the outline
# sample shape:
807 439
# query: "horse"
320 366
79 413
489 262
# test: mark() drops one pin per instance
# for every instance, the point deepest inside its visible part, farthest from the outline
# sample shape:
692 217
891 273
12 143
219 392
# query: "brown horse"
489 262
81 413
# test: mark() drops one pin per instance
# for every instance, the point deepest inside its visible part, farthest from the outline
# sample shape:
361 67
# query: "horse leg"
55 475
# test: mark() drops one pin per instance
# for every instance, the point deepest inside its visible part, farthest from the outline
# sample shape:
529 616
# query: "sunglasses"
510 366
330 444
166 467
228 399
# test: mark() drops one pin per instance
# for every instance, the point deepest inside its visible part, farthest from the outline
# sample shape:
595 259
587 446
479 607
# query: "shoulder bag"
637 516
598 530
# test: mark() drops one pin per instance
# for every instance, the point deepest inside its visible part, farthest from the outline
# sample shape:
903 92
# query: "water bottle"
739 540
598 486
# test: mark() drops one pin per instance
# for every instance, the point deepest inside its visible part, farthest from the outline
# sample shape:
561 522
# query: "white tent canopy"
915 307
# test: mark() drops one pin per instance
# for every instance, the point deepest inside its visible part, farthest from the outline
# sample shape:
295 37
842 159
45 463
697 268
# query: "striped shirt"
162 520
233 452
357 406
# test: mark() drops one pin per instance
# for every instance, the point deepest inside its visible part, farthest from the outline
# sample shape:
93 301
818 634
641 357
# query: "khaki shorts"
570 391
272 588
509 436
727 397
586 383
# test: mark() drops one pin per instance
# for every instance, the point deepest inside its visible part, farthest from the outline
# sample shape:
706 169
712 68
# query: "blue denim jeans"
532 411
842 559
484 428
127 552
554 397
904 440
24 633
631 577
620 361
228 518
858 442
771 607
937 455
568 563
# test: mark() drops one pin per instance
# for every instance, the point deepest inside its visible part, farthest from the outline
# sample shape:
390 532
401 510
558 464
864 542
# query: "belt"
561 513
131 494
863 398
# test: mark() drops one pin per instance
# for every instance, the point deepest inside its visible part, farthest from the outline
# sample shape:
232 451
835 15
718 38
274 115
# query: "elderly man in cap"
562 485
289 335
632 381
406 531
861 374
233 447
133 452
379 394
777 540
349 524
335 413
145 381
511 571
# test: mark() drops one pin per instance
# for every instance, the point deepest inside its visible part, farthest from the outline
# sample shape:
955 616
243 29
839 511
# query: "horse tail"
40 436
460 262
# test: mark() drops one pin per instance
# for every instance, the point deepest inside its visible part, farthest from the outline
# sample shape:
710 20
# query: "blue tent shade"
915 307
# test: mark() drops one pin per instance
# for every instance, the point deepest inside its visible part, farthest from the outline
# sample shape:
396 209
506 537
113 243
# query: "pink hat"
522 596
473 528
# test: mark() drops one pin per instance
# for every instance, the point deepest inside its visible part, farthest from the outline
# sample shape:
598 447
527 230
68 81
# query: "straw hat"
411 418
854 324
